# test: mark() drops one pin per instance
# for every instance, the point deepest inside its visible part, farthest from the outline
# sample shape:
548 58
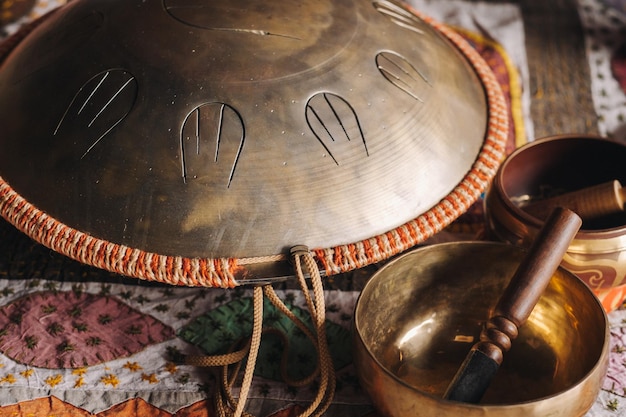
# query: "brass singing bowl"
559 164
418 317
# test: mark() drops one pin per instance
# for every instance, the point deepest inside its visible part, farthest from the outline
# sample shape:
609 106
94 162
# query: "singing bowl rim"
365 360
231 272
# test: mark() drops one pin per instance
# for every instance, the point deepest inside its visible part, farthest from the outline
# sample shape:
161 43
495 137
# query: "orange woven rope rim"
221 272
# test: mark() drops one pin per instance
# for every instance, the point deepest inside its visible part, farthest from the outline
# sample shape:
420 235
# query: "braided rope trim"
176 270
357 255
221 272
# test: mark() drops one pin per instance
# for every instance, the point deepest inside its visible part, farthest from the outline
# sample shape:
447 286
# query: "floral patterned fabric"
117 353
604 22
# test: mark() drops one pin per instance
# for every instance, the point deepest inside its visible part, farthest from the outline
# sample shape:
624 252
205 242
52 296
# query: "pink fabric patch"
615 380
71 330
618 66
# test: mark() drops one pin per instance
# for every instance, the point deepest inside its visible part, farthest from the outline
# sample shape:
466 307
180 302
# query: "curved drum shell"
179 132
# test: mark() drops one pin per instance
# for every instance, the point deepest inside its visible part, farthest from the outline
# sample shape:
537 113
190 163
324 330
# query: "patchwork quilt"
80 342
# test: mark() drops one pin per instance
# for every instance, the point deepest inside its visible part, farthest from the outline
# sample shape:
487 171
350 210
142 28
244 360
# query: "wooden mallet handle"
589 203
515 305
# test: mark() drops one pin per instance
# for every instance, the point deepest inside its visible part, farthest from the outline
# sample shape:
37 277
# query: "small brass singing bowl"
419 315
552 166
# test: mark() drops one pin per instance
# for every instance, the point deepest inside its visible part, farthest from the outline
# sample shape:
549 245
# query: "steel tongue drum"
195 142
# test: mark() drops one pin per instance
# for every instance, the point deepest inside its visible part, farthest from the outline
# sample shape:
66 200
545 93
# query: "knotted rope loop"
278 303
225 403
317 308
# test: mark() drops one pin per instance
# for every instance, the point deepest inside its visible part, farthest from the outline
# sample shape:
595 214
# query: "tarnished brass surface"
236 128
417 318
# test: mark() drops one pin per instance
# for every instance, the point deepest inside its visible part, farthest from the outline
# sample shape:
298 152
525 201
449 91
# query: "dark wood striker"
589 203
514 307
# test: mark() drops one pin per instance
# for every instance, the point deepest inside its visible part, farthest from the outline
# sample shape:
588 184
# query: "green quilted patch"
218 330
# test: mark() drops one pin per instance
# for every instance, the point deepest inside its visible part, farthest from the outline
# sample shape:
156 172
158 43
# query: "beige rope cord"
223 272
225 403
317 309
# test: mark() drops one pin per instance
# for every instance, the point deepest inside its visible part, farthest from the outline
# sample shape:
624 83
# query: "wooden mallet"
514 307
589 203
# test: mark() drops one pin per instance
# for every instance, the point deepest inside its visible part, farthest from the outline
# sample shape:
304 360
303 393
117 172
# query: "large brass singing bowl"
417 318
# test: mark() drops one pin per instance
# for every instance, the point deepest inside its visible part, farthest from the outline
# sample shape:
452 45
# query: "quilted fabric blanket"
81 342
